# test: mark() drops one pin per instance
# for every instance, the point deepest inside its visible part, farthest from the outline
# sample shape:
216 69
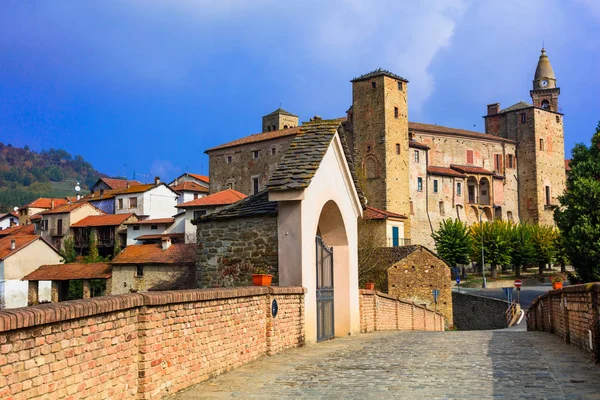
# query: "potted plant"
261 276
557 281
370 286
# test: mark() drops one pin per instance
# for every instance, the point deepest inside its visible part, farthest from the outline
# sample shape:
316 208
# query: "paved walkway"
503 364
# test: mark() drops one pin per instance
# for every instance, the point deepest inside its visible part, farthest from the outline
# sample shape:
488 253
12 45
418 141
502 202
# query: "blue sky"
147 86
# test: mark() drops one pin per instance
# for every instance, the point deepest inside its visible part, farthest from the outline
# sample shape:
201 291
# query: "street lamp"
483 285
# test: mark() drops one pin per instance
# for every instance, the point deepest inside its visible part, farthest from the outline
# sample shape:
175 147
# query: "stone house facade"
55 224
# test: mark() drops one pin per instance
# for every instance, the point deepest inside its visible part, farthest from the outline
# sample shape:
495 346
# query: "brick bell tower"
545 93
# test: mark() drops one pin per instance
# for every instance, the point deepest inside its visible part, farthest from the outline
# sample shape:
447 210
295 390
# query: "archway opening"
484 191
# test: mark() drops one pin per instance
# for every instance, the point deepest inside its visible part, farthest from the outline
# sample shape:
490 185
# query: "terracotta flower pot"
557 285
261 279
370 286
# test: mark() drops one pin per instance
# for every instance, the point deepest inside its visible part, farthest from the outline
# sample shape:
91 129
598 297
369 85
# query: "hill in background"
26 175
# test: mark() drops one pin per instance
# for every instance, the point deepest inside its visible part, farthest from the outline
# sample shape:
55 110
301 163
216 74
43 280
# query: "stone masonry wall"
478 313
382 312
571 313
224 244
415 276
144 346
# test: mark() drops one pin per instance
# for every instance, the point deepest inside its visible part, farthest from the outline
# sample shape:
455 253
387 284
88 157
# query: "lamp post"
483 285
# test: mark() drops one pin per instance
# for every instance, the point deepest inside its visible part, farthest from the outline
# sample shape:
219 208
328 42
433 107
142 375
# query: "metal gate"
325 328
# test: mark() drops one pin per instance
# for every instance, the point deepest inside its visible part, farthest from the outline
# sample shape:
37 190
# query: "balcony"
57 233
397 242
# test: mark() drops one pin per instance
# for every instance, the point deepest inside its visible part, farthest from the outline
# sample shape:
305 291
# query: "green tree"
522 249
496 243
561 256
68 250
453 242
543 238
93 255
117 247
578 216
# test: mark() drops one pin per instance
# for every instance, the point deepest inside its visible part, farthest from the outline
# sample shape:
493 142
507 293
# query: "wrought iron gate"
325 317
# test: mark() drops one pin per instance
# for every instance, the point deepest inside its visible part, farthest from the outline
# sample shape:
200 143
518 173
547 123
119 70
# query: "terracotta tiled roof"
202 178
418 145
102 220
471 169
224 197
252 206
66 208
567 165
443 130
114 183
108 194
21 241
375 213
378 72
281 111
154 221
35 217
10 214
433 170
154 254
190 187
73 271
18 230
519 106
161 235
259 137
44 202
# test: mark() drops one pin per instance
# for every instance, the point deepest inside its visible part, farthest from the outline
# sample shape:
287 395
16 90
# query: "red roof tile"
444 130
108 194
161 235
155 221
190 187
259 137
21 241
154 254
119 183
433 170
375 213
102 220
66 208
224 197
471 169
202 178
73 271
18 230
45 202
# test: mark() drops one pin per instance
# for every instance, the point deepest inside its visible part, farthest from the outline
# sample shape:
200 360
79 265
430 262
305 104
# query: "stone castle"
421 174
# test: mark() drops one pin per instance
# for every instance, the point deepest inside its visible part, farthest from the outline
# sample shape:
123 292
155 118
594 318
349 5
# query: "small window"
274 128
273 151
469 156
255 154
542 144
511 161
45 224
442 212
458 188
120 204
373 85
497 162
545 104
399 85
136 227
199 213
255 186
195 196
420 184
509 215
368 148
558 119
435 186
139 271
547 195
396 112
229 185
397 148
229 159
523 118
153 227
285 127
133 202
417 156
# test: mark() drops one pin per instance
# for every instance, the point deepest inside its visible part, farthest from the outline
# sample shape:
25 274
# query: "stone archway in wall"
332 230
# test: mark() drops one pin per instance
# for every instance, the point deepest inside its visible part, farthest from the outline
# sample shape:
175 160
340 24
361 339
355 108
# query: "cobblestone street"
415 365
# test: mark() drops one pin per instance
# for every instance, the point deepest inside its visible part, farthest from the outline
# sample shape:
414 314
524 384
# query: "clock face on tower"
544 83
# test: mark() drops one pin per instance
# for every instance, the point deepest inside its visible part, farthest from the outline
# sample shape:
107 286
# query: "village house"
189 191
201 180
9 220
19 256
37 206
113 183
153 230
55 224
110 231
19 230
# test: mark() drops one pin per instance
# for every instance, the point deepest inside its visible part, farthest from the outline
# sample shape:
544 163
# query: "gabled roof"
258 137
304 156
190 187
116 183
102 220
155 221
224 197
444 130
373 213
519 106
444 171
471 169
19 230
252 206
44 202
21 241
398 253
66 208
154 254
202 178
109 194
73 271
8 215
378 72
281 111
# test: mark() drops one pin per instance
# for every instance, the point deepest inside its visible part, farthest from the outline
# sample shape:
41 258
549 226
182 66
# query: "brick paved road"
415 365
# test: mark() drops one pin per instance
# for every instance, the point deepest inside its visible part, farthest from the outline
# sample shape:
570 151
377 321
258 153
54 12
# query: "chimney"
166 243
493 108
156 180
78 197
52 203
128 184
316 118
13 244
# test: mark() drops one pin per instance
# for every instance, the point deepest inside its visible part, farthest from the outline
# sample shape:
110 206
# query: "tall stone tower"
380 135
279 119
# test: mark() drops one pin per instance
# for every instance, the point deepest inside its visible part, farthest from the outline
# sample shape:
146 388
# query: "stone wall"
143 346
571 313
227 246
382 312
478 313
415 276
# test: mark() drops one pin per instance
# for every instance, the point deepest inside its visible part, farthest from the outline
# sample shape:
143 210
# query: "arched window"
371 168
285 127
545 104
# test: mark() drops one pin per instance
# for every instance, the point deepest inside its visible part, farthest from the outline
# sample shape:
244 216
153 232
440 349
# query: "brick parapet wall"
381 312
143 345
572 313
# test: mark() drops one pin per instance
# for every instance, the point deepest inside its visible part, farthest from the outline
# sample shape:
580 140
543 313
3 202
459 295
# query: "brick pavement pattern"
505 364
